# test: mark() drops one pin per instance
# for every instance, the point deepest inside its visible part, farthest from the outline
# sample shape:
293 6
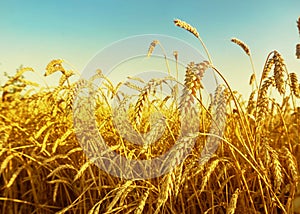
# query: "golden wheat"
242 45
44 169
251 102
263 100
298 51
279 71
151 47
119 192
252 79
142 203
267 68
233 201
149 89
277 170
192 83
54 66
175 54
211 168
294 84
165 191
187 27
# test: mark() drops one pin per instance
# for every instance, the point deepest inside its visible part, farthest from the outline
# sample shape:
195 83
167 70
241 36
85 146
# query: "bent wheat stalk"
153 44
193 30
246 48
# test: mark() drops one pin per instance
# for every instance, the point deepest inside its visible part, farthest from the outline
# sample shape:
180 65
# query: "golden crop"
254 170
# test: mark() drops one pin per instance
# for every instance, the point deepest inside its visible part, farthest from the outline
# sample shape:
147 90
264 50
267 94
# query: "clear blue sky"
34 32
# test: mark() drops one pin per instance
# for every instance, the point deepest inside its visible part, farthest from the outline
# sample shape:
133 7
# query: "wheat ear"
153 44
277 171
54 66
140 208
242 45
298 51
118 195
294 84
246 49
233 201
267 68
251 102
298 25
151 47
279 72
292 165
175 53
208 173
194 31
252 79
187 27
192 83
143 97
263 100
166 188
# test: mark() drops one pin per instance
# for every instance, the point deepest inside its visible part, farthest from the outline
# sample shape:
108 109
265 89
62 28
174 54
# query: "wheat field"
43 168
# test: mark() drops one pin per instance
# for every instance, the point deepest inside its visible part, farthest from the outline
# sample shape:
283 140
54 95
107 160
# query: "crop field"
255 169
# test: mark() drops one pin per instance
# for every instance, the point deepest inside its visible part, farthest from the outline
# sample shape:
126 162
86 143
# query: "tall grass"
254 170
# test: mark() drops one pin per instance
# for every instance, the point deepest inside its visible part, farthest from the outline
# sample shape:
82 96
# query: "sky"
32 32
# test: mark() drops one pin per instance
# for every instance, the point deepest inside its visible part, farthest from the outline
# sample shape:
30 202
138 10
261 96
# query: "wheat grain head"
242 45
279 70
151 47
294 84
186 26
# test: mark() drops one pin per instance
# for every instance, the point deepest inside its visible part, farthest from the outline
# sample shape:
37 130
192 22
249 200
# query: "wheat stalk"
252 79
60 168
153 44
14 176
175 54
65 77
251 102
298 51
291 163
233 201
21 71
155 133
133 86
246 49
272 159
140 208
119 193
279 70
294 84
242 45
165 191
267 68
187 27
193 30
263 100
192 83
143 97
82 169
276 170
151 47
73 91
54 66
213 165
217 127
6 161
